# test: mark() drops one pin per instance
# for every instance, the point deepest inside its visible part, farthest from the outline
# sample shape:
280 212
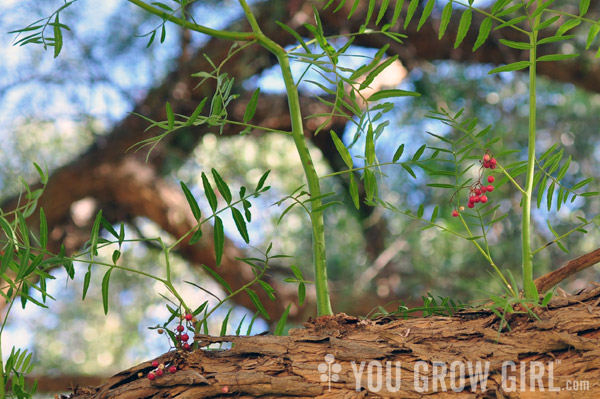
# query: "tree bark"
563 338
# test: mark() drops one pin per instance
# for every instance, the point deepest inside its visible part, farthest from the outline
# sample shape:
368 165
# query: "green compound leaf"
515 66
261 181
392 93
446 16
567 26
342 150
407 167
584 5
94 235
218 277
86 282
257 303
58 42
209 192
426 13
294 34
370 184
516 45
191 201
398 153
43 229
556 57
222 186
105 282
354 191
412 7
547 23
396 16
251 107
594 30
196 236
223 331
282 321
384 6
463 26
419 153
170 116
240 223
219 239
484 32
373 74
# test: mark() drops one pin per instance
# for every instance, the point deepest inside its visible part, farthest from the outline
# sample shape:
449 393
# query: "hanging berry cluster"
182 336
478 190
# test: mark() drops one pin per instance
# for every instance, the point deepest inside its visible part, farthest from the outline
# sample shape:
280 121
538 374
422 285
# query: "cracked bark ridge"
564 340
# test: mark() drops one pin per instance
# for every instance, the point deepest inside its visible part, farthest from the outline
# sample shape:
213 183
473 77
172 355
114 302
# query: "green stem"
244 36
527 255
318 226
234 293
568 233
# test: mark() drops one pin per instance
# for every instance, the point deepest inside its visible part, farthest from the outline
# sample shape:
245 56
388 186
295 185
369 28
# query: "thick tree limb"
564 341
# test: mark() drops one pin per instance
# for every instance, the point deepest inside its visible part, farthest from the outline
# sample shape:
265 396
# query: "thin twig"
573 266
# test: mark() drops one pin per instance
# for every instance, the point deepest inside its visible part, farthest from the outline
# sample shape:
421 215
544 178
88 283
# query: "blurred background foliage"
53 110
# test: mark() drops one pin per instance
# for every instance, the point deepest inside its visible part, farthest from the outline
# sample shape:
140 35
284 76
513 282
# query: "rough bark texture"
564 338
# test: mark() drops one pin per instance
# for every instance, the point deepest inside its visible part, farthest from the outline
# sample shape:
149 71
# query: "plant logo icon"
329 370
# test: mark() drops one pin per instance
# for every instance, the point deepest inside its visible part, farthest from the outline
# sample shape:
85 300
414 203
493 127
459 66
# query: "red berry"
155 363
493 161
159 372
493 166
172 369
484 199
490 188
483 189
471 205
490 179
455 213
186 346
151 376
486 157
180 328
473 198
477 191
185 338
477 198
189 316
487 164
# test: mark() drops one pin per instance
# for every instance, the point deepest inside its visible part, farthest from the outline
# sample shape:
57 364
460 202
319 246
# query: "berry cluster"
159 369
182 338
478 190
181 335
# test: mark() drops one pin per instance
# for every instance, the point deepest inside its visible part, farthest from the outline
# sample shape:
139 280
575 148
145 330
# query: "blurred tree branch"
128 187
